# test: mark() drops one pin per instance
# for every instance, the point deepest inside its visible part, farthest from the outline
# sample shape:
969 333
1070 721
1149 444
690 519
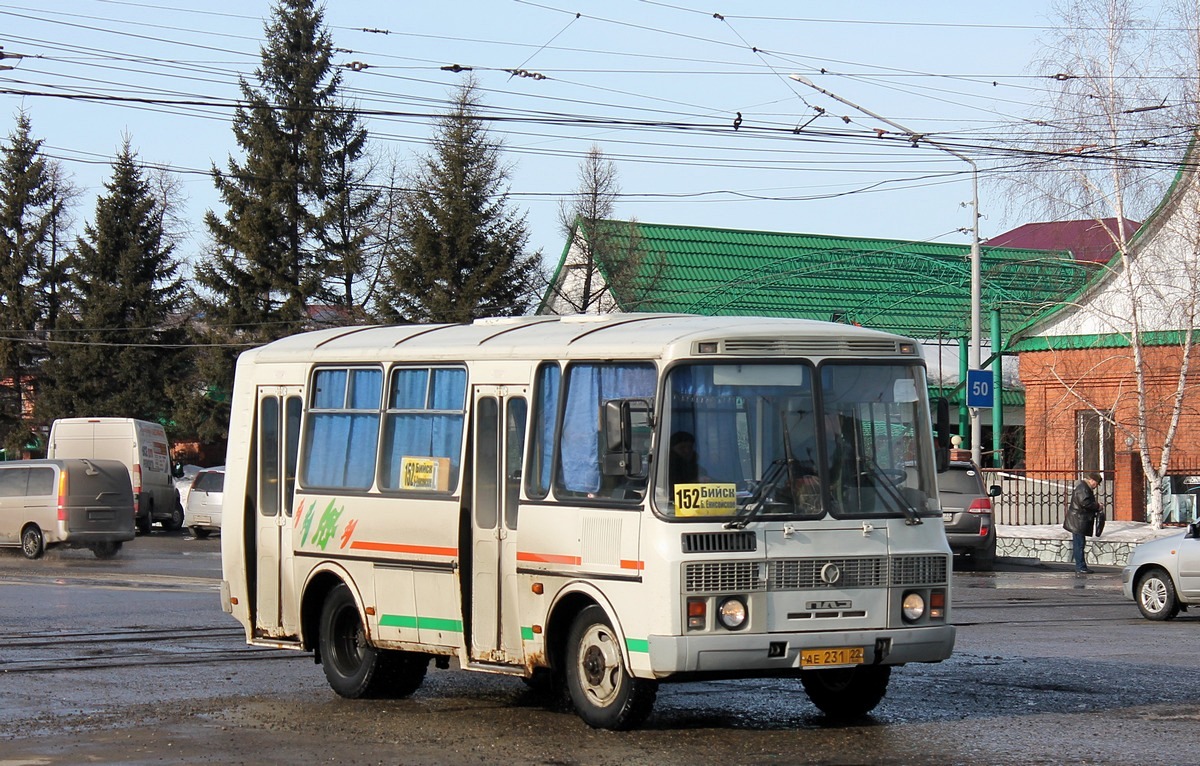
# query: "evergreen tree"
119 346
462 250
28 210
270 258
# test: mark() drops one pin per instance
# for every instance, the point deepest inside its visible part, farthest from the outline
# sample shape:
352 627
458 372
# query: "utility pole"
974 352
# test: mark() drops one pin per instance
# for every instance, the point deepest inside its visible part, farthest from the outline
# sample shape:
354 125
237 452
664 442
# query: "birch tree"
1106 146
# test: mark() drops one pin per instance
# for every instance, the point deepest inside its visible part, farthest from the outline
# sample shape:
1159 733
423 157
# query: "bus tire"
356 669
601 688
33 545
847 692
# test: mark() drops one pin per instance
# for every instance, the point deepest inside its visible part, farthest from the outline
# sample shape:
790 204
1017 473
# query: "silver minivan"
69 502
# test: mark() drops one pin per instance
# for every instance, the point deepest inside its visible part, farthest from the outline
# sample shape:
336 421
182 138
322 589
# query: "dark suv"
967 513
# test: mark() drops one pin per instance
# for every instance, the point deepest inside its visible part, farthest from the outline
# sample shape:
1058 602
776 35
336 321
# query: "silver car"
1163 576
204 502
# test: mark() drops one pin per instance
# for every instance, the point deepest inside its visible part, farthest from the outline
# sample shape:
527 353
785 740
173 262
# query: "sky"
657 86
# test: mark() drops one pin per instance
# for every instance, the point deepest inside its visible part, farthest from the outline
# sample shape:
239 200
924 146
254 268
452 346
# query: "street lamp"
973 358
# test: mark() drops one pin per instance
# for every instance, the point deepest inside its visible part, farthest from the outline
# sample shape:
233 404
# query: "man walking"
1081 517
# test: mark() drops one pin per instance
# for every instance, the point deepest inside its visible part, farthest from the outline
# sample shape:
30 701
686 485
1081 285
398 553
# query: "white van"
75 503
141 446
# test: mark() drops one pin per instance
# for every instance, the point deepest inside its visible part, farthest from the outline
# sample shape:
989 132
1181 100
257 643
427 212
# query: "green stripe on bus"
428 623
526 633
637 645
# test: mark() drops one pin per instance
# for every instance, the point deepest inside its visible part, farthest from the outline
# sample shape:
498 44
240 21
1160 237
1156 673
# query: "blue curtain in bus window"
588 386
343 443
329 389
410 387
545 421
432 426
711 412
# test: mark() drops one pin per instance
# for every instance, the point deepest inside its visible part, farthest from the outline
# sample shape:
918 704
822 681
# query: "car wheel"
176 520
1156 597
33 545
984 559
602 690
847 692
144 523
106 550
200 534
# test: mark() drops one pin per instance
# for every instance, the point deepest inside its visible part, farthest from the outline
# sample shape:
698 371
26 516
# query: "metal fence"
1038 497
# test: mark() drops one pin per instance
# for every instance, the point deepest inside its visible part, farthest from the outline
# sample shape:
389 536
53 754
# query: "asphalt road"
131 661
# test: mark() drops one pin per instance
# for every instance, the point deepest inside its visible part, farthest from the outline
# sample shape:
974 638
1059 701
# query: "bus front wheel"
847 692
355 668
602 690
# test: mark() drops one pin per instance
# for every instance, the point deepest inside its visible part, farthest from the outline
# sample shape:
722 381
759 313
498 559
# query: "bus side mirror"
941 433
626 425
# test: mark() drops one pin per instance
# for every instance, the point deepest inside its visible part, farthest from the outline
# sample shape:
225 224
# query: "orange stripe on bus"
429 550
548 558
638 565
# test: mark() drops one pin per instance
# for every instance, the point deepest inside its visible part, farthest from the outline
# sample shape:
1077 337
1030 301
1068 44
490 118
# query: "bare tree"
1109 147
604 255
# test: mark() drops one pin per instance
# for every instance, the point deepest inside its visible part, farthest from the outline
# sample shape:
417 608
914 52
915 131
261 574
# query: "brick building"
1077 364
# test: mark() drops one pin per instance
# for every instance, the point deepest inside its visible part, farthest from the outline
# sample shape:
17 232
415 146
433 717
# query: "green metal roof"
919 289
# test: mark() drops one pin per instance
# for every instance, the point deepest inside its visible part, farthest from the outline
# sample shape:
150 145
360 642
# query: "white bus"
603 502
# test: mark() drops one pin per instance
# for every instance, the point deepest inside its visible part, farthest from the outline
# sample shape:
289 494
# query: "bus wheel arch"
354 666
316 591
604 691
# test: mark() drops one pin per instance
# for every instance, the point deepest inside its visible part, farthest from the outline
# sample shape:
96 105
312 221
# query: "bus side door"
277 440
499 446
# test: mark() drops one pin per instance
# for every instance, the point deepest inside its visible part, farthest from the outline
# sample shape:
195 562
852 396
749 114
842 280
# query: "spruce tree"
28 209
462 250
270 258
119 346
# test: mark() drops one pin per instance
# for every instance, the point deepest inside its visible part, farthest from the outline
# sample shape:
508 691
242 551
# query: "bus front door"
499 447
277 440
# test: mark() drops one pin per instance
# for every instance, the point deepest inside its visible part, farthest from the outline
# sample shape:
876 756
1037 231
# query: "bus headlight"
732 613
913 607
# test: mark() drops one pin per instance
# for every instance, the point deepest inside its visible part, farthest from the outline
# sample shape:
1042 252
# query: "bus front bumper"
739 653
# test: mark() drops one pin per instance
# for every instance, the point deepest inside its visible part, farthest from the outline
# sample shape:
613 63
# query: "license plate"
838 655
947 517
198 519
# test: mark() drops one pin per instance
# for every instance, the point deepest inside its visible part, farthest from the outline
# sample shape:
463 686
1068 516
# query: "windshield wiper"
772 479
881 479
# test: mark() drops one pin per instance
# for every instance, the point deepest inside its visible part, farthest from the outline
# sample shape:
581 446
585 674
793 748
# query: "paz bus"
598 503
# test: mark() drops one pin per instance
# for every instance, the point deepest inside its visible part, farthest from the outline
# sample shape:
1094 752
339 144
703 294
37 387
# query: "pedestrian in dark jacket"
1081 517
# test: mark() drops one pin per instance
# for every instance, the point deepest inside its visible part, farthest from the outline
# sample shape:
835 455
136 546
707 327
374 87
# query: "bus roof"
582 336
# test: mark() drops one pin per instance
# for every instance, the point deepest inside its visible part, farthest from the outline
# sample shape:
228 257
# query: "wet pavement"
132 661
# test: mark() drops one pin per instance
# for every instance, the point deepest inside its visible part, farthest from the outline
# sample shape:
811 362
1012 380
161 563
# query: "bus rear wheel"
847 692
602 690
353 667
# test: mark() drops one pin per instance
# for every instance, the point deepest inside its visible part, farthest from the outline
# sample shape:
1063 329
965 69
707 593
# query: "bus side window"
582 449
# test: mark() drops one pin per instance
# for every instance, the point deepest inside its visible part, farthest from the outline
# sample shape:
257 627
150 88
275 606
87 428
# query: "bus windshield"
790 440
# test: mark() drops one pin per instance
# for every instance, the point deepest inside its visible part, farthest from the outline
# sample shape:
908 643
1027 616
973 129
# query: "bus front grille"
720 542
804 574
724 576
920 570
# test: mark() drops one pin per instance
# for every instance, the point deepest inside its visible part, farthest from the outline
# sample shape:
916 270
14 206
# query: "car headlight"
732 613
913 607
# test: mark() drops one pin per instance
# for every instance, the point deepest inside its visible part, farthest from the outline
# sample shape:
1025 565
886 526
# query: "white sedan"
1163 576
